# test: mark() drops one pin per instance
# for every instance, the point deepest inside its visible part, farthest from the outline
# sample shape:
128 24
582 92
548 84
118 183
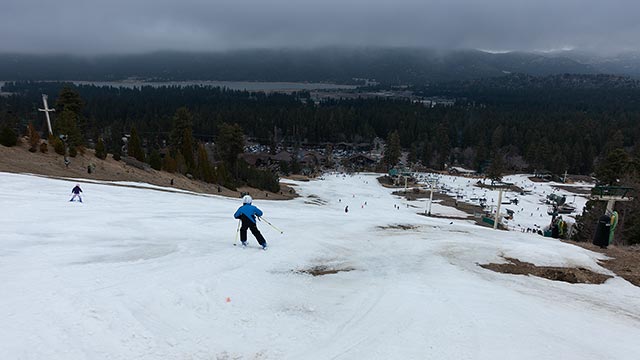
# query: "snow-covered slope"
142 274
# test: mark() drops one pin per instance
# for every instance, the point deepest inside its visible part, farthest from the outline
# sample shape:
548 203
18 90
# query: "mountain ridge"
388 66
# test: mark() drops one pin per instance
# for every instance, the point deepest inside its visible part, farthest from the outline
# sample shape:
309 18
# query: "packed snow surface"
137 273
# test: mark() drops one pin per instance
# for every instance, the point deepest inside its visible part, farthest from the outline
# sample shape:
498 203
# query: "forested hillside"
558 129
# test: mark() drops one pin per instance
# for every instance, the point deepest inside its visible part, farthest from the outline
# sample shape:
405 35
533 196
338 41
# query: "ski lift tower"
611 194
46 111
433 183
500 186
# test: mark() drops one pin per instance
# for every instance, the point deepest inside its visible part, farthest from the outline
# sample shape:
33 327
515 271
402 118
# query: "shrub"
169 164
155 160
58 145
8 137
101 153
34 138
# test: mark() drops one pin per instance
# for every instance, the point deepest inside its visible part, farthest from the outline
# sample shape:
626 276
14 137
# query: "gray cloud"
124 26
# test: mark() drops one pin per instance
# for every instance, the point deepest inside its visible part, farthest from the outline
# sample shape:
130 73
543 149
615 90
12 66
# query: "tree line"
528 136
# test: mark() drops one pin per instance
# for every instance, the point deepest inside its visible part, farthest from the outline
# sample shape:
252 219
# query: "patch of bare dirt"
624 261
18 159
321 270
399 227
512 187
387 181
574 189
442 199
570 275
537 179
298 177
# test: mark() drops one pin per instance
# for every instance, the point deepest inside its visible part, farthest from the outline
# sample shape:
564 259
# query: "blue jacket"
249 211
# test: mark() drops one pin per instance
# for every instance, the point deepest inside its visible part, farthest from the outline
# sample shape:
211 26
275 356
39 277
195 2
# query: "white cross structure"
46 110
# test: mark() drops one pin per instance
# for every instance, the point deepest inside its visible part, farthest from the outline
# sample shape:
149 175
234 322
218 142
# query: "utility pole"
46 110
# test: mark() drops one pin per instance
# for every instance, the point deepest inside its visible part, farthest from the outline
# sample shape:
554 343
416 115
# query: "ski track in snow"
138 274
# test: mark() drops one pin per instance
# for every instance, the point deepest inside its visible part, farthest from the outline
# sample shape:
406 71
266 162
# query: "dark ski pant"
248 224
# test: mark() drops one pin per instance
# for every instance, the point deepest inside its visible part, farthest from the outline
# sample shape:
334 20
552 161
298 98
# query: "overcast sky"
133 26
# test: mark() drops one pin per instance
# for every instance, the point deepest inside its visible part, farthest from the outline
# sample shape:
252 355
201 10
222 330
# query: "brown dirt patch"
18 159
321 270
537 179
570 275
387 181
574 189
512 188
443 199
399 227
624 260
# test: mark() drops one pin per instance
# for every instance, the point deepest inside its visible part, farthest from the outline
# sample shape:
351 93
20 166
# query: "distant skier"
247 214
76 192
346 209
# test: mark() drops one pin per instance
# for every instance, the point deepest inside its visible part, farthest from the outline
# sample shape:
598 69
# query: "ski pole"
235 242
273 226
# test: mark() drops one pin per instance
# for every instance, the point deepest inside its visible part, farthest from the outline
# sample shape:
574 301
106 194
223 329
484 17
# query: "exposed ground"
321 270
570 275
442 199
18 159
399 227
488 186
624 261
574 189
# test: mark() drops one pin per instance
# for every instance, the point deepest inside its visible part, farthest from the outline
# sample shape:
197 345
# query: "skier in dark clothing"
76 192
247 214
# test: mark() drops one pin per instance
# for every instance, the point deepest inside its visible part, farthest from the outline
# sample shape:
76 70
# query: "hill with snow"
137 273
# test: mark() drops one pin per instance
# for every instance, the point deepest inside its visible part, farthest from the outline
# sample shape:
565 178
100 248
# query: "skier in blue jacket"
247 214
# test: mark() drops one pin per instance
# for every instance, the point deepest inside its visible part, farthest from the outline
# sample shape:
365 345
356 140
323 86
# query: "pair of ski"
245 245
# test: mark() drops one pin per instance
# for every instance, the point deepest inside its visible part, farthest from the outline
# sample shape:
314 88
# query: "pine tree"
187 149
392 149
69 99
613 167
34 138
69 105
181 138
154 160
496 168
169 163
135 145
8 137
58 145
427 154
67 125
101 153
229 144
203 170
413 154
443 145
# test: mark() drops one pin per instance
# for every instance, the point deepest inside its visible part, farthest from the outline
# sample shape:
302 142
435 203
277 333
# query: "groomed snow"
142 274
